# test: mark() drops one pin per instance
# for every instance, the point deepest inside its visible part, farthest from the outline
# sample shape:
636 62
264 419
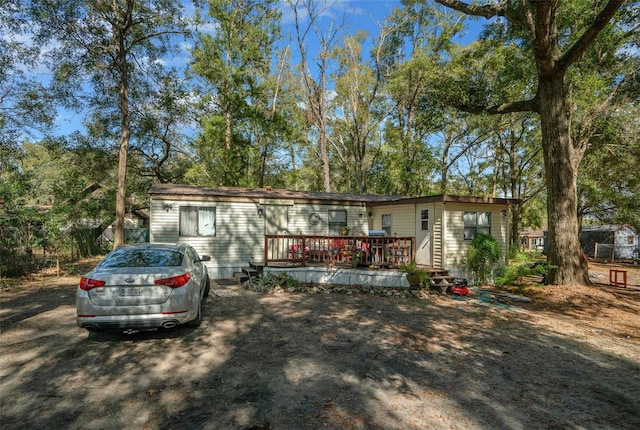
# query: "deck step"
259 267
441 280
240 277
250 271
434 272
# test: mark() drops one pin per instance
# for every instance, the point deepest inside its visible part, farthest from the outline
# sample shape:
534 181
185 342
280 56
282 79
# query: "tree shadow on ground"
309 361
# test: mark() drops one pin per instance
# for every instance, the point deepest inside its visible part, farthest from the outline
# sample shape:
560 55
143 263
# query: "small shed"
532 239
615 242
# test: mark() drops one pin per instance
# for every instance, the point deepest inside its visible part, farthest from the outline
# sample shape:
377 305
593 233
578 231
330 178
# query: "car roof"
163 246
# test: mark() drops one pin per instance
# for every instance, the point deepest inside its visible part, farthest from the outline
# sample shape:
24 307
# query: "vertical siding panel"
438 232
454 235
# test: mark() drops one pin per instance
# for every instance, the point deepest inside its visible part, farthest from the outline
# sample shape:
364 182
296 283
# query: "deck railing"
353 251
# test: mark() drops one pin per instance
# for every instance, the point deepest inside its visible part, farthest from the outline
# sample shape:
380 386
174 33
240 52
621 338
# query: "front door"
424 234
276 219
276 222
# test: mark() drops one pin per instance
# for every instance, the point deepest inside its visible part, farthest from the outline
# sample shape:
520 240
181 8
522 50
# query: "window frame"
386 222
424 219
471 229
198 230
335 226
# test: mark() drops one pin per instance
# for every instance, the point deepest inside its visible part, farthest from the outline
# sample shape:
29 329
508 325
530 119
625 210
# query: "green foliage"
482 257
271 282
111 50
407 160
609 184
358 96
522 265
480 82
234 64
20 223
59 197
27 106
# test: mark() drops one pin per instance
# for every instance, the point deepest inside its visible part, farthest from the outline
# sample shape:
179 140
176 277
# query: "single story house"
532 240
613 242
136 228
231 224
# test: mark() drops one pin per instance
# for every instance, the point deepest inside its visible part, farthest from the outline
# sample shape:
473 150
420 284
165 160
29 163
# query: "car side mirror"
205 258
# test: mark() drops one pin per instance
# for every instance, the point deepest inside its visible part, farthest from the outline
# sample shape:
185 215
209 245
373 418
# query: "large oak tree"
554 50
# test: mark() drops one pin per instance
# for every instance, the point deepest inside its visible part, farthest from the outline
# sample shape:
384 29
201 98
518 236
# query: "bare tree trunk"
125 134
315 91
322 102
561 160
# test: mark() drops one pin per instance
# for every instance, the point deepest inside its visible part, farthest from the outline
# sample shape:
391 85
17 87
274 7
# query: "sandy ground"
568 360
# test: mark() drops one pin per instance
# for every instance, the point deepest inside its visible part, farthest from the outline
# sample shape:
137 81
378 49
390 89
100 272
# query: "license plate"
130 291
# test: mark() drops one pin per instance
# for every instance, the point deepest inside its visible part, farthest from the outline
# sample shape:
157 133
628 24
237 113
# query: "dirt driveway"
327 361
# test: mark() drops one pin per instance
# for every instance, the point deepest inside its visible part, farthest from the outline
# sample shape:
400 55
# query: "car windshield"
142 258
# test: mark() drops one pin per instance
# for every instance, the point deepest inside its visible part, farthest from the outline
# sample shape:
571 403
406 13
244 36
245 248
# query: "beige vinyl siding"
240 230
299 219
239 233
455 246
161 221
403 219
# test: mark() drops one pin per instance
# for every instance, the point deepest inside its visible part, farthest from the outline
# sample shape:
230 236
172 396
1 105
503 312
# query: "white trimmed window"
424 219
197 221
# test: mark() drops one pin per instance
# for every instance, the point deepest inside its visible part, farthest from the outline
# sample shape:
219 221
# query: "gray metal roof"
448 198
265 193
604 228
177 190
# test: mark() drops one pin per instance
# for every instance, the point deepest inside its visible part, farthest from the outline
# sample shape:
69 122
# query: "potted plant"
415 275
344 231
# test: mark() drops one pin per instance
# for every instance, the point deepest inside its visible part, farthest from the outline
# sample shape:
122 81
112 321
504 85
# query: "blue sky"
352 15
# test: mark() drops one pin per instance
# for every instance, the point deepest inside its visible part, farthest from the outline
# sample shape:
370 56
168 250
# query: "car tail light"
174 282
89 284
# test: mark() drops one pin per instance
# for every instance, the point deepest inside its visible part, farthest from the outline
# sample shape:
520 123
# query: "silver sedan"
144 286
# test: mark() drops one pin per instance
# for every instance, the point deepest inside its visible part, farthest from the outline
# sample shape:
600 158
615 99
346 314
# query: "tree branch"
510 107
486 11
599 23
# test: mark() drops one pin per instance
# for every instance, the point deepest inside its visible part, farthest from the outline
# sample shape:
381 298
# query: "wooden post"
613 249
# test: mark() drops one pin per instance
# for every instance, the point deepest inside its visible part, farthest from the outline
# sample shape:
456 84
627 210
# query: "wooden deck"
346 251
